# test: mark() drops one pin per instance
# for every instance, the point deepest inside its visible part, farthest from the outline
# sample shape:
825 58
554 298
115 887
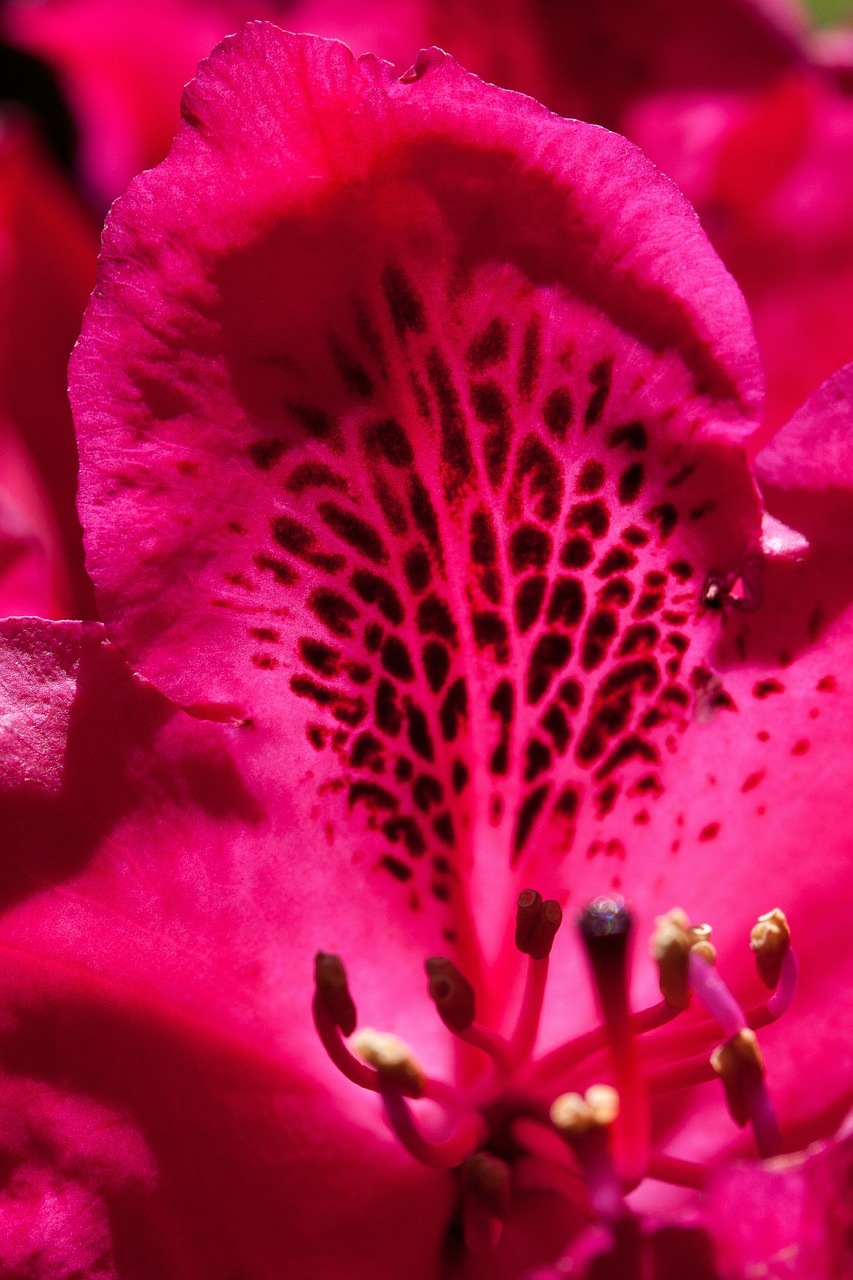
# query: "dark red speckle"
764 688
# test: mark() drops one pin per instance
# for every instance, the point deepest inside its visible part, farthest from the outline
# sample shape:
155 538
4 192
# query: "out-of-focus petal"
800 1220
770 175
166 1108
47 268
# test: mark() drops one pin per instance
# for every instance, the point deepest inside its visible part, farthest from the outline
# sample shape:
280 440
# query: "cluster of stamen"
514 1126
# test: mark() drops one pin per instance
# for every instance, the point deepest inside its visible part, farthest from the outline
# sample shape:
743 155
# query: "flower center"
521 1123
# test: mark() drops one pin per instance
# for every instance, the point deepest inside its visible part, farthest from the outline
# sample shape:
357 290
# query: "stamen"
606 927
682 1075
393 1060
770 941
334 1012
452 995
743 590
585 1122
741 1067
536 925
672 942
485 1204
777 965
330 978
454 999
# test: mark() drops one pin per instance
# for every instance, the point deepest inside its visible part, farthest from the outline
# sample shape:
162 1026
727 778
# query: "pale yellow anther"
392 1058
574 1115
603 1102
739 1064
770 939
672 941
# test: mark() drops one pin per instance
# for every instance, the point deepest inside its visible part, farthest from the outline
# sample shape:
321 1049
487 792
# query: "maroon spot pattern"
510 608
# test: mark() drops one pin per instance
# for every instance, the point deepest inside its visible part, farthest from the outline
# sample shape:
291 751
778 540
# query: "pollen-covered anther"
392 1058
673 940
536 924
330 980
451 993
574 1114
770 940
740 1065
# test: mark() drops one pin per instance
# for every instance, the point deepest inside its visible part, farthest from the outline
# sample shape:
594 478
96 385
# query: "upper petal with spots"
411 420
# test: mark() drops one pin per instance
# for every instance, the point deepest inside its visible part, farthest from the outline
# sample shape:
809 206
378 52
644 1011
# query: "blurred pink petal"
770 175
47 264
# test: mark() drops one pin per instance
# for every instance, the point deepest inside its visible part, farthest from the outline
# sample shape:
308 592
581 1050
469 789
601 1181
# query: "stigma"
578 1119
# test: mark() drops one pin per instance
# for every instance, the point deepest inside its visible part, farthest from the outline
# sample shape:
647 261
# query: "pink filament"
527 1028
564 1059
762 1117
491 1043
721 1004
679 1173
682 1075
333 1042
780 1001
445 1153
709 987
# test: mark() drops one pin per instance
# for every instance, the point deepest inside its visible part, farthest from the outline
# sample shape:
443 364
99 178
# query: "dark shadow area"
30 85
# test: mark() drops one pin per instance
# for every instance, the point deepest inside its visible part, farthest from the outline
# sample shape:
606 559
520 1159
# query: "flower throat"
519 1125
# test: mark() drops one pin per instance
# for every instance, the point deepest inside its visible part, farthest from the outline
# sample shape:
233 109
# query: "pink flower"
413 423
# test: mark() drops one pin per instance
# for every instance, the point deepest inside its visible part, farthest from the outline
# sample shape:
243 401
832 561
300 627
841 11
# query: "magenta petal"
412 418
167 1101
806 470
800 1220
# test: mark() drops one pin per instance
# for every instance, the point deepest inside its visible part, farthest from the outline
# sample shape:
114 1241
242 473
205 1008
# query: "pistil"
606 927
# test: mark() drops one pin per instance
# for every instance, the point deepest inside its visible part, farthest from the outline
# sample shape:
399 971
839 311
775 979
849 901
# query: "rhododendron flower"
413 424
